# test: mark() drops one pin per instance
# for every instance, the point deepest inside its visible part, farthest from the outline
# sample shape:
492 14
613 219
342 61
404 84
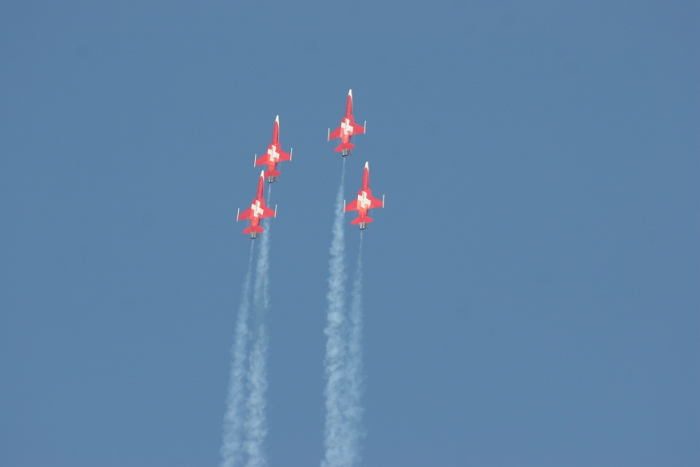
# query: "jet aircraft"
258 210
273 155
364 202
347 129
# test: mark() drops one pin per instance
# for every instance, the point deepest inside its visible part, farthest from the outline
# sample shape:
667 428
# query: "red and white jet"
273 155
347 129
257 210
364 202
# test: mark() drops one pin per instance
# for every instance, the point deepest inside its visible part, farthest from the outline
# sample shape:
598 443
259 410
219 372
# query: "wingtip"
262 174
350 93
367 165
277 119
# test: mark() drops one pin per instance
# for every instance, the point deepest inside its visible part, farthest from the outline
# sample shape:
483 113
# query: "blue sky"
531 289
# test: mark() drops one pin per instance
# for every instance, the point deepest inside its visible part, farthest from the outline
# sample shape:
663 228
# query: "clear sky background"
532 289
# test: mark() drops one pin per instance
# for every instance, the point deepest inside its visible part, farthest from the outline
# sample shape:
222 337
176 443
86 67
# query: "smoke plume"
336 430
256 422
231 449
353 407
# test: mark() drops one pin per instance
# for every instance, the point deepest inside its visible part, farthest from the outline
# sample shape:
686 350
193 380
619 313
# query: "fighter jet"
273 155
258 210
364 202
347 129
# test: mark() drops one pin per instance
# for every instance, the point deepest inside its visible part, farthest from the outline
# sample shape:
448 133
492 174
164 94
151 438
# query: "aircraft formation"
258 210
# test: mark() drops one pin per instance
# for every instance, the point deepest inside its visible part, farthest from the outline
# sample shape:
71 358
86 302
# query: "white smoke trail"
353 406
336 347
256 422
231 449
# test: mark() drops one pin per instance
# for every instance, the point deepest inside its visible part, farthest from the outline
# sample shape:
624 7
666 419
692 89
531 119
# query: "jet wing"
262 160
357 129
335 134
376 203
267 212
250 213
284 156
245 215
351 206
265 158
354 205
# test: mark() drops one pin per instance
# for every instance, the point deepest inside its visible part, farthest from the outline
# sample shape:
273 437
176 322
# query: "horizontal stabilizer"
345 147
272 173
365 220
253 228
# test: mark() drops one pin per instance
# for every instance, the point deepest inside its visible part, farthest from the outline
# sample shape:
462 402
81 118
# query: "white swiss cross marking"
346 126
257 210
362 200
272 152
